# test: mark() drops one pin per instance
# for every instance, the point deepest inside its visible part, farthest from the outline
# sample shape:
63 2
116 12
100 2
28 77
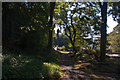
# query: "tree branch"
100 5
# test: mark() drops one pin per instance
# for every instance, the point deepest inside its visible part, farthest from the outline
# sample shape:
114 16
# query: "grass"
29 66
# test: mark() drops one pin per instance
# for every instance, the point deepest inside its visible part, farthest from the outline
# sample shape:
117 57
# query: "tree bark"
74 49
103 31
50 36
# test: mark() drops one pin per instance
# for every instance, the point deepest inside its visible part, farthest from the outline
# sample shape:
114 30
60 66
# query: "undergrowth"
27 66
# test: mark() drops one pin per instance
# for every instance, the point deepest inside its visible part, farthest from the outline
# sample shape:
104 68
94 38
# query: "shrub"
26 66
88 54
54 70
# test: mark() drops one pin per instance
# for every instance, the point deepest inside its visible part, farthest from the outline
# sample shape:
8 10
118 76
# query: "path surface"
116 55
70 73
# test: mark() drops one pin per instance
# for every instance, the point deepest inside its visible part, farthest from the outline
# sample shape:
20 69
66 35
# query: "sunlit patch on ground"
84 70
65 52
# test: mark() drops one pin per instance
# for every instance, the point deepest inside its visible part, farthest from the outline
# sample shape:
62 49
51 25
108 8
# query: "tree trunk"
50 36
74 49
103 31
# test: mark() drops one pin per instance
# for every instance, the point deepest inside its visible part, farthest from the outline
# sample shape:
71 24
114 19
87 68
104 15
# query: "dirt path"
71 73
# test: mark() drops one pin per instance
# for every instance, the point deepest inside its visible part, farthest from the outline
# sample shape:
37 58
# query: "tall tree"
50 38
103 30
77 19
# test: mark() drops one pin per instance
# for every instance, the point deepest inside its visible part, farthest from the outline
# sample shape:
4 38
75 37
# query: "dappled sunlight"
28 66
64 52
83 69
60 41
114 55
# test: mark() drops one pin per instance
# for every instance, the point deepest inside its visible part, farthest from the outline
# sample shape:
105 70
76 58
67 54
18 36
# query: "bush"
88 54
53 70
26 66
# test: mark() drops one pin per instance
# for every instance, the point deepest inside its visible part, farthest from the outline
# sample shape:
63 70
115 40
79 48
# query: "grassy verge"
30 66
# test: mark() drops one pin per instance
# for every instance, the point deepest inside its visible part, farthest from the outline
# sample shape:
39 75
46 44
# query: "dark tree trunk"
74 49
50 36
74 33
103 31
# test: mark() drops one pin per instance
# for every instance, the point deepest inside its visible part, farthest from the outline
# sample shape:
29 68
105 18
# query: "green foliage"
63 47
114 11
25 25
28 67
88 54
77 20
114 39
54 70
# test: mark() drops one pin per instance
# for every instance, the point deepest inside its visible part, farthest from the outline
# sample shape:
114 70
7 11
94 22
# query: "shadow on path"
71 73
